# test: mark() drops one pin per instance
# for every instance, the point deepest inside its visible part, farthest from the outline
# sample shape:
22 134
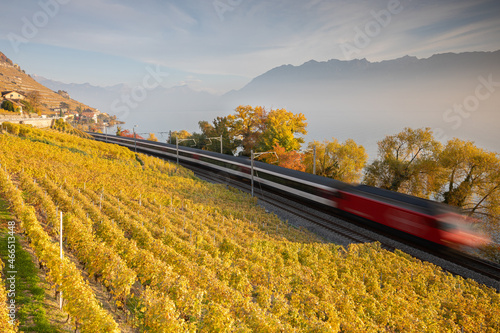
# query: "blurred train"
424 219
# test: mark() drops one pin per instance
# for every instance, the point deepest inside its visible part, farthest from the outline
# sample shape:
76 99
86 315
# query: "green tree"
341 161
220 127
406 163
9 106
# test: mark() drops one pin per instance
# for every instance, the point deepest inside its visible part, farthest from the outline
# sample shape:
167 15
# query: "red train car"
432 221
422 218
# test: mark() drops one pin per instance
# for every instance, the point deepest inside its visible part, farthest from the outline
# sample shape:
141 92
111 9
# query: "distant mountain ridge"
366 100
400 68
101 97
356 99
161 108
282 84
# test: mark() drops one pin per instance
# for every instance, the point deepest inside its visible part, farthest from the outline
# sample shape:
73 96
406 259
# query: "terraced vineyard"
12 78
177 254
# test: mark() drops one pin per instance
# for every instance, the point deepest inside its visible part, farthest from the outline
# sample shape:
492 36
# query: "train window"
452 222
446 226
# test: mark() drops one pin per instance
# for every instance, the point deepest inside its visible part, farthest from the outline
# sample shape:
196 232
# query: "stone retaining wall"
35 122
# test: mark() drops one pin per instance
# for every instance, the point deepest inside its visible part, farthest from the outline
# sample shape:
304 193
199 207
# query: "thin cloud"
255 36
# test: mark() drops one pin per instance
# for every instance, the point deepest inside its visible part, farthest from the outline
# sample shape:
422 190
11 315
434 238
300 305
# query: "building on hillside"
70 115
60 111
12 95
89 115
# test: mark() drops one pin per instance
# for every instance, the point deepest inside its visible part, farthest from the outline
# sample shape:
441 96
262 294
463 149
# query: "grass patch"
5 214
29 295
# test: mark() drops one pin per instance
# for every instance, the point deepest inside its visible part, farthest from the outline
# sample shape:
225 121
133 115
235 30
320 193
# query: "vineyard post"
61 254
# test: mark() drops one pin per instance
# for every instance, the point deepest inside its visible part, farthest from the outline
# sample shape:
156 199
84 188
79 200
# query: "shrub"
11 128
9 106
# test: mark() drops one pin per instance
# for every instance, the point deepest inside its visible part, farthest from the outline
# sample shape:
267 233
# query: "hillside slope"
12 77
177 254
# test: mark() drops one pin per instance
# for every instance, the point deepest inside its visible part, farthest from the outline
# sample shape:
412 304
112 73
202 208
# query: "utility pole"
252 157
61 255
135 137
177 145
217 138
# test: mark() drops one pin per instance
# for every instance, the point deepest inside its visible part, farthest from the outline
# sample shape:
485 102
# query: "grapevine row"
80 300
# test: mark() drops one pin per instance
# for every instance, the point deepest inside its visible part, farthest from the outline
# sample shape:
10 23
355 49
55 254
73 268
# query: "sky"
219 45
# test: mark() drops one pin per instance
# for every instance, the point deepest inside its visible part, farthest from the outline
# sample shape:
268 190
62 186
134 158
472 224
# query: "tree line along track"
351 236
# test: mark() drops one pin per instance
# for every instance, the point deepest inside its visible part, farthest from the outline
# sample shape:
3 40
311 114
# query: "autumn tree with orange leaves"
255 128
287 159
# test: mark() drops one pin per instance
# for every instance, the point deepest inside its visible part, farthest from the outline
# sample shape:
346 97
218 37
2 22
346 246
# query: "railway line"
347 228
351 236
455 262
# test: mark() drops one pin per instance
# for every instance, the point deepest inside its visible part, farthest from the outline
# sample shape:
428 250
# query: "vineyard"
177 254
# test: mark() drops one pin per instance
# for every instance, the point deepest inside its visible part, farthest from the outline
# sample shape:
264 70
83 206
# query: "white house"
14 95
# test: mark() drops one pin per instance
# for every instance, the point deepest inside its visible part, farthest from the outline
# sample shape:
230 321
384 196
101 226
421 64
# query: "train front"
457 230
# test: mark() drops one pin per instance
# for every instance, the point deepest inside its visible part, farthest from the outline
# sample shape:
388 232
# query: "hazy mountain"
458 95
447 72
154 110
99 97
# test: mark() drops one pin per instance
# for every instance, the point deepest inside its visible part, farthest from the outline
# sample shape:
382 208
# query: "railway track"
462 263
351 235
455 262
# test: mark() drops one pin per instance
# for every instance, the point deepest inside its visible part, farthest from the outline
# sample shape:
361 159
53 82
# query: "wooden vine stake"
61 254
